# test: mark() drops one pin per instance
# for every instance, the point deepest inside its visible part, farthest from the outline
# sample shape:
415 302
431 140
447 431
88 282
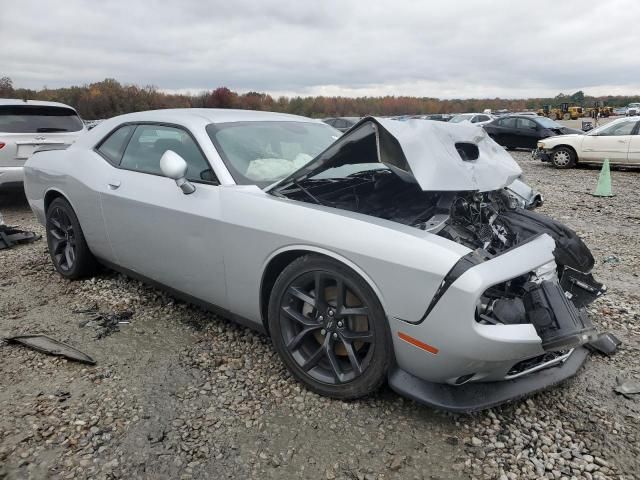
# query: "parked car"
392 252
92 123
26 125
620 111
438 117
618 141
478 119
633 109
341 123
524 131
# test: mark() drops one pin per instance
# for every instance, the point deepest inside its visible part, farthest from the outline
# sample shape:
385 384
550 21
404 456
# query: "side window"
113 147
483 118
148 144
508 122
526 123
622 128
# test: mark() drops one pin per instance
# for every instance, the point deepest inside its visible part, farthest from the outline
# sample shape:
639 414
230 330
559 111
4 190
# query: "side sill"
210 307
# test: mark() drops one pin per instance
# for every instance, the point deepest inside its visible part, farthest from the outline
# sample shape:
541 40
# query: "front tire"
329 328
68 249
563 157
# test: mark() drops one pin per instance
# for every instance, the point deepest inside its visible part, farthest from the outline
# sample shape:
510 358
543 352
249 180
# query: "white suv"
26 125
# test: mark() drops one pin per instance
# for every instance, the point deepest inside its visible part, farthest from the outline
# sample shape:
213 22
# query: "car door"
494 129
612 142
154 229
506 130
633 156
526 133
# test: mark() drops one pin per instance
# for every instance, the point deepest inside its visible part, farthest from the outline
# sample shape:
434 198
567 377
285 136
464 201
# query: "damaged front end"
552 297
508 311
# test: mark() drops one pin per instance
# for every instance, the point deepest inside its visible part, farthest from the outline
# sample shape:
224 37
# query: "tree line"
109 98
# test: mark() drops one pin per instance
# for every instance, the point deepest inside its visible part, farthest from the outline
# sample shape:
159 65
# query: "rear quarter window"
38 119
112 147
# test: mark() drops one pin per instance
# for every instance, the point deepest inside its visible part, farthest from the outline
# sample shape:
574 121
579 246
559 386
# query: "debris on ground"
611 259
606 343
51 346
627 387
12 236
104 323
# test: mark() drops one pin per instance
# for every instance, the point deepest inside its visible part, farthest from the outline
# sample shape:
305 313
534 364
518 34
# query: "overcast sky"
446 49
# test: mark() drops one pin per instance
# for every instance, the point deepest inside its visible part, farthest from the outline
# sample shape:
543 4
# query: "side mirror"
175 167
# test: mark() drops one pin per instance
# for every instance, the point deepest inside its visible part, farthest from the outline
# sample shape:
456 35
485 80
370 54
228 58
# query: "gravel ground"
180 393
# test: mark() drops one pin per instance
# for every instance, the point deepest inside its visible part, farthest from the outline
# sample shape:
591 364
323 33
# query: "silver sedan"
397 252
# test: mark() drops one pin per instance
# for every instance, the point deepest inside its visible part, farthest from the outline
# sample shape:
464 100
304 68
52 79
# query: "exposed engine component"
475 221
556 320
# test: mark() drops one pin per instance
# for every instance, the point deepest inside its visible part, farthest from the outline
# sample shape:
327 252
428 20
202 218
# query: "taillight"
2 144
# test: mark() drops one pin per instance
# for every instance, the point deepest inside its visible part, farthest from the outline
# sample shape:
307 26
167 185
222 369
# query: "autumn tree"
6 87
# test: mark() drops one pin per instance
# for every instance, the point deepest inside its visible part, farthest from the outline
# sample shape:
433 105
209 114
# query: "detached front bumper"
472 397
541 154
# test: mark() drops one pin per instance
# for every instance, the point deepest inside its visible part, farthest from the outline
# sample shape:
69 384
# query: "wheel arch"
570 147
283 257
51 195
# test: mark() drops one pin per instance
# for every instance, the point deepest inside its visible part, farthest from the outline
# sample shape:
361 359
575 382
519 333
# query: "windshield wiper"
307 192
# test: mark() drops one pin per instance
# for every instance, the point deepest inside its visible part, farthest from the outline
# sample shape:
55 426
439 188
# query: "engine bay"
492 221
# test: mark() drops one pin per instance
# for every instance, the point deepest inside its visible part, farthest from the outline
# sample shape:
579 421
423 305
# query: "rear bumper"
11 177
472 397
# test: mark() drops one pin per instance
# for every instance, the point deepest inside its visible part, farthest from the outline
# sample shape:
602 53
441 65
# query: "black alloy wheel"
67 246
327 326
62 239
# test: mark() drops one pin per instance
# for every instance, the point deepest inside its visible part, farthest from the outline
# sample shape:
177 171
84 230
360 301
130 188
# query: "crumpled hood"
438 156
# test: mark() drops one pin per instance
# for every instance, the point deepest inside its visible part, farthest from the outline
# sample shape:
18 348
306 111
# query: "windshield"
260 153
461 118
634 105
548 123
36 119
623 126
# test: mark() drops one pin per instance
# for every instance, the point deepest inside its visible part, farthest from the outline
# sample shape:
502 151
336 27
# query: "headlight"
540 145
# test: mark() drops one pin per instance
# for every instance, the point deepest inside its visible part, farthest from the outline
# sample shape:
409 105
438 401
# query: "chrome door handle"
114 184
622 141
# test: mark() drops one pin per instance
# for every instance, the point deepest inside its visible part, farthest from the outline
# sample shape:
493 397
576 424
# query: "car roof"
35 103
191 118
209 115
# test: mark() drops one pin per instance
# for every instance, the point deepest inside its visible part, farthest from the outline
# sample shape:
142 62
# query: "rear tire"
336 342
563 157
68 248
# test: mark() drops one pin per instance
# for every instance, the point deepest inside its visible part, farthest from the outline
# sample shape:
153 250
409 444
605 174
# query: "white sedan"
617 141
478 119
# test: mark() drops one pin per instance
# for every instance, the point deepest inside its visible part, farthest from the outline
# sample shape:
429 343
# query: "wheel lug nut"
335 335
340 323
323 332
331 313
321 318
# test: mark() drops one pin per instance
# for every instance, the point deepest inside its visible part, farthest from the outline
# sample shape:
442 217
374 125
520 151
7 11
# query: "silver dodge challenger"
405 252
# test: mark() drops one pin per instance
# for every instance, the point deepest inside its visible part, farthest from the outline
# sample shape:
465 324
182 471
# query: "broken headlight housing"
540 299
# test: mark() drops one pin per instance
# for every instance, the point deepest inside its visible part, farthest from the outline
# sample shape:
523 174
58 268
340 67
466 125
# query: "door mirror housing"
175 167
